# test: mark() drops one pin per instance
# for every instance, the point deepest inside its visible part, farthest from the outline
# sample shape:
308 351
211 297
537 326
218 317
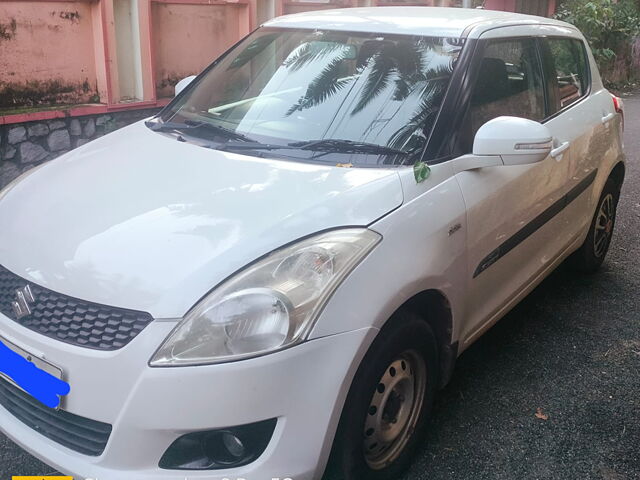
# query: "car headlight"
268 306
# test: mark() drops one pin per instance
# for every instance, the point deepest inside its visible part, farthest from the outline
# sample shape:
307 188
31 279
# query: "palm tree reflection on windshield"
412 67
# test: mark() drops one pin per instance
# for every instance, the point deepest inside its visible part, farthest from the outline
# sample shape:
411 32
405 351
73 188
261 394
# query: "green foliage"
421 171
609 25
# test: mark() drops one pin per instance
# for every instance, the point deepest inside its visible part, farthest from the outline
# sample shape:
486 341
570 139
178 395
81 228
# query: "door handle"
607 118
556 152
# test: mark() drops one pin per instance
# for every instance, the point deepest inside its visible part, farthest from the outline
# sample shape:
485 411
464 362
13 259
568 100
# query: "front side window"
509 83
298 87
570 68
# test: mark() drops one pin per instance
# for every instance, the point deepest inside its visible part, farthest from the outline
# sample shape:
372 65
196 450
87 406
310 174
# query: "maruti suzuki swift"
278 271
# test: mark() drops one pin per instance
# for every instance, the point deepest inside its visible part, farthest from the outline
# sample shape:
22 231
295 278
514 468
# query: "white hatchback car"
285 263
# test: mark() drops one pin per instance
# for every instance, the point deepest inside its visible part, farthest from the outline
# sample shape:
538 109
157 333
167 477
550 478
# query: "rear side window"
571 74
509 83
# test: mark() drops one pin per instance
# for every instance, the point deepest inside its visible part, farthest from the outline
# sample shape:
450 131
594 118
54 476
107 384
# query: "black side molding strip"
531 227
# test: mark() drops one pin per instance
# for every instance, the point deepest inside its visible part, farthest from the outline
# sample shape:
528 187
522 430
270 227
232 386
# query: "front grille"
71 320
80 434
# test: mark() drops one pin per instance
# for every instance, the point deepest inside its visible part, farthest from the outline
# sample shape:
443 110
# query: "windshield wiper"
245 143
253 145
346 146
195 125
326 146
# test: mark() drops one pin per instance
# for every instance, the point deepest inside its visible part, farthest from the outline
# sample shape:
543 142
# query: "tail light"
618 104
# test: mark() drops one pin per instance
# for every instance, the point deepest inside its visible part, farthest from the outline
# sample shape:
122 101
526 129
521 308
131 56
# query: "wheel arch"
434 308
617 174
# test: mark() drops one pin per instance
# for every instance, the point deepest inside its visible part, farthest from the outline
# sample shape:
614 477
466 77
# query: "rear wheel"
589 257
388 403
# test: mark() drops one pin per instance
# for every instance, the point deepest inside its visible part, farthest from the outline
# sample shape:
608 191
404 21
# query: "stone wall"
25 145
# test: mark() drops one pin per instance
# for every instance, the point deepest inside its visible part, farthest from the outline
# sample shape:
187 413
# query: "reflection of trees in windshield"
291 85
427 109
312 51
326 84
411 66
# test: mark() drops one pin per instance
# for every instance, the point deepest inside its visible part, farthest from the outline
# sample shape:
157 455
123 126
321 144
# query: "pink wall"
187 37
51 43
506 5
72 51
510 5
417 2
291 6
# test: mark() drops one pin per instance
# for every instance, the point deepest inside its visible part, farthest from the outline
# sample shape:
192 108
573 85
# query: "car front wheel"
388 403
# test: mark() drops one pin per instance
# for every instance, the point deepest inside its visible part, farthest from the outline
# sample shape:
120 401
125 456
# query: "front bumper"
304 387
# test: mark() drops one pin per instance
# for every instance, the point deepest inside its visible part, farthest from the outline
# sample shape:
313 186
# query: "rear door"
513 232
584 116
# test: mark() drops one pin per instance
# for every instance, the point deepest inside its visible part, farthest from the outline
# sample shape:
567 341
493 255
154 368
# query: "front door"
512 235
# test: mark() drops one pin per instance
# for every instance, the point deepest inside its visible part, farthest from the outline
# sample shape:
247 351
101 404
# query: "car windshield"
331 96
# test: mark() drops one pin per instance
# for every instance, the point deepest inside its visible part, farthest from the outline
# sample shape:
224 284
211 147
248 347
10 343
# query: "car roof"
432 21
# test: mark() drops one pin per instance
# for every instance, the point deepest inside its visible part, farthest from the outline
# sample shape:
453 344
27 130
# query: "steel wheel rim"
394 409
604 226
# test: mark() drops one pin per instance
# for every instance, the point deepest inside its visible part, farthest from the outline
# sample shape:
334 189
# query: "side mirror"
517 141
182 84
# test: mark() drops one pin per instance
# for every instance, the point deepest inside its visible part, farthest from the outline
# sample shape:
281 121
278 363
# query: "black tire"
405 337
590 256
